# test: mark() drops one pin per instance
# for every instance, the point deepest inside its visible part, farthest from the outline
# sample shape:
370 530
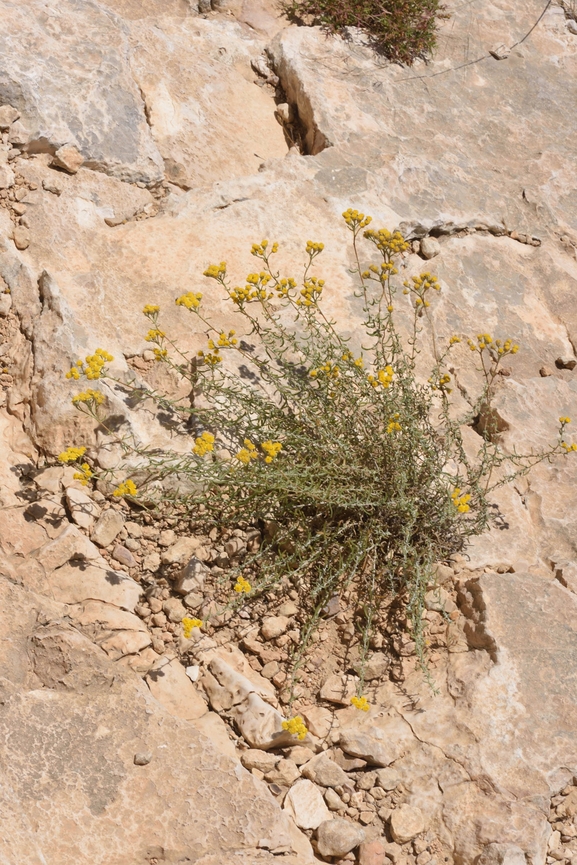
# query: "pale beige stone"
337 837
305 804
74 583
406 822
170 685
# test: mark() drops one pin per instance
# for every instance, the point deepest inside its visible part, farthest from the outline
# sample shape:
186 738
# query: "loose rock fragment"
406 822
142 758
8 115
430 247
107 527
337 837
68 158
305 804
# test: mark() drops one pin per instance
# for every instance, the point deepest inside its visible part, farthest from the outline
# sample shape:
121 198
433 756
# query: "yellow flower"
190 300
154 334
89 396
70 455
83 475
356 220
296 727
216 271
564 420
271 449
188 625
204 444
247 453
394 425
461 502
93 366
360 703
126 488
384 377
314 248
242 586
159 353
454 339
151 309
73 373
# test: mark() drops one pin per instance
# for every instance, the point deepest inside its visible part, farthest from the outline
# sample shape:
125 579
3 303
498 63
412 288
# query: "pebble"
372 853
323 771
406 822
52 186
289 608
68 158
338 836
151 562
253 758
566 362
430 247
107 527
174 610
274 626
142 758
8 115
333 800
133 529
305 804
339 689
285 773
21 236
270 670
124 556
371 745
301 755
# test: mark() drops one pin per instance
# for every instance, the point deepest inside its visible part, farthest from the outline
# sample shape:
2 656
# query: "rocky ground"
141 141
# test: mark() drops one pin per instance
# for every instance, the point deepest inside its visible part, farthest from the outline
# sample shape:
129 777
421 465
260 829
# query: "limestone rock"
371 744
502 854
440 600
318 720
406 822
107 527
8 115
6 177
337 837
191 578
105 118
305 804
254 758
430 247
70 544
323 771
174 610
274 626
83 509
68 158
170 685
21 234
339 689
285 773
213 727
260 723
372 853
77 582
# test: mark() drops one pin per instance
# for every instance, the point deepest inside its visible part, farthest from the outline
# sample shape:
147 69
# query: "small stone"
155 604
142 758
430 247
376 666
151 562
6 177
285 773
19 208
566 362
339 689
337 837
301 755
372 853
270 670
8 115
52 186
193 600
318 720
5 304
68 158
133 529
82 508
193 673
439 600
284 113
388 778
132 544
158 645
289 608
124 556
325 772
333 800
366 817
572 28
274 626
174 610
107 527
261 760
191 578
147 354
167 537
545 371
305 804
21 235
367 781
406 822
371 744
18 134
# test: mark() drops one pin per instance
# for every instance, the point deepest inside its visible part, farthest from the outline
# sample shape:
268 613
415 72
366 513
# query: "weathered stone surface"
68 158
82 92
337 837
371 744
83 510
305 804
170 685
77 582
107 527
8 115
325 772
406 822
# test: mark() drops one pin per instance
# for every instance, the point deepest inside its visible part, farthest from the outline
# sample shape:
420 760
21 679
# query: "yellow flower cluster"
242 586
389 243
188 625
420 286
284 286
360 703
212 358
356 220
154 334
454 339
159 353
461 502
394 425
83 475
247 453
384 377
93 366
151 309
329 369
216 271
564 420
568 447
89 396
223 341
255 289
356 361
314 248
204 444
442 383
260 249
383 273
311 291
484 340
70 455
126 488
271 449
191 300
296 727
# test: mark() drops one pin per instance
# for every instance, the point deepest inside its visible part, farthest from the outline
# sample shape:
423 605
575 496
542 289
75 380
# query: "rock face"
140 143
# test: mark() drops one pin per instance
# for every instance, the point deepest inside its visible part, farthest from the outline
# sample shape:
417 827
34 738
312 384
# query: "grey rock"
124 556
107 527
325 772
337 837
191 578
142 758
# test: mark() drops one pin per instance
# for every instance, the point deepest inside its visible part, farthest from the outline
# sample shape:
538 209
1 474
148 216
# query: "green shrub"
351 459
402 30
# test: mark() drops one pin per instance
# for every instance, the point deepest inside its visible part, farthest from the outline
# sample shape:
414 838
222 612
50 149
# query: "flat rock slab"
78 582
